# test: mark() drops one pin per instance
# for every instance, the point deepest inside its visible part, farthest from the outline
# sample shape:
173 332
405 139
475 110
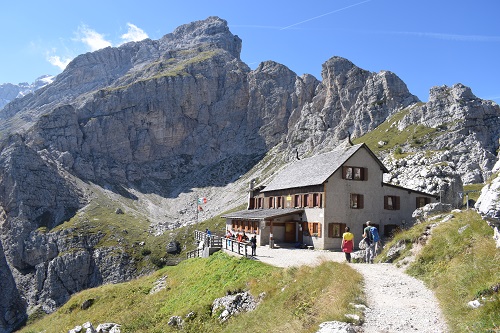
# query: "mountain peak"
212 31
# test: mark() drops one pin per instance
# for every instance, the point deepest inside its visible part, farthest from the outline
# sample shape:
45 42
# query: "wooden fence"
213 241
242 248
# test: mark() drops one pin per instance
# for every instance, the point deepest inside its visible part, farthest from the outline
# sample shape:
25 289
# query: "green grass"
296 299
458 267
171 67
414 136
473 195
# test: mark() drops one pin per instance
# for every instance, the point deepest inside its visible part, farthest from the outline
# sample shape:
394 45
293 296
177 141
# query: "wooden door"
290 232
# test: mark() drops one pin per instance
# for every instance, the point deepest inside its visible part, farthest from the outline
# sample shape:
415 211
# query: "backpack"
374 234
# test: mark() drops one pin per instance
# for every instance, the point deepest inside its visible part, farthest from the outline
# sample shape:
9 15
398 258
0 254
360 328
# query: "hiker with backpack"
370 235
375 239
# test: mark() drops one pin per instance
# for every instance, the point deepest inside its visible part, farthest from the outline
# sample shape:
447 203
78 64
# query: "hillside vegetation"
460 263
294 300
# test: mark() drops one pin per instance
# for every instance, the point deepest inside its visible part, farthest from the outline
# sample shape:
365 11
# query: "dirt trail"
396 301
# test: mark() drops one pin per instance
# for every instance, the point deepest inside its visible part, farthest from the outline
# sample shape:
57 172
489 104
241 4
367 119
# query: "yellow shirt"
347 236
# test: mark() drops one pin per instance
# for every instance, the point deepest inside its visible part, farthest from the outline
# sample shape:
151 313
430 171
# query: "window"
279 202
422 201
314 229
296 201
356 201
391 229
271 202
391 202
317 198
305 202
354 173
336 230
247 226
260 202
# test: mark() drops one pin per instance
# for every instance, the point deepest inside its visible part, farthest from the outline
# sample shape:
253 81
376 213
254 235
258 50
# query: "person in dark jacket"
253 240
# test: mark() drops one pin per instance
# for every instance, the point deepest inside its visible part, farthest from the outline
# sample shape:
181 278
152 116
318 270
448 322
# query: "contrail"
335 11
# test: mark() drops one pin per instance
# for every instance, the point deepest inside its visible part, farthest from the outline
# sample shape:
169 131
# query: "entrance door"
290 232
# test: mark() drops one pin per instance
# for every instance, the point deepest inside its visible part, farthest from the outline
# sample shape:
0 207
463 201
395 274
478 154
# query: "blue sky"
426 43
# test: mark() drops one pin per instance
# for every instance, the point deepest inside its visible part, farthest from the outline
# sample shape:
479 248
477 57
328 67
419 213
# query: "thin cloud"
134 34
332 12
453 37
58 61
94 40
255 26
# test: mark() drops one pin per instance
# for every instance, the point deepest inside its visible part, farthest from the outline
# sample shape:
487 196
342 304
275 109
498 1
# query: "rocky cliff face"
349 100
156 121
467 129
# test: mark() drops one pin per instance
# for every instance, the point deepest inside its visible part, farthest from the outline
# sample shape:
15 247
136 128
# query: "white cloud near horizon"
94 40
134 34
58 61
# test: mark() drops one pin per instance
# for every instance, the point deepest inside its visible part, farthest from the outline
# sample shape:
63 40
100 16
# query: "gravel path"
396 301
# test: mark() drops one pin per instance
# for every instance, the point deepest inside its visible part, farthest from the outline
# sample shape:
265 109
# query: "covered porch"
271 226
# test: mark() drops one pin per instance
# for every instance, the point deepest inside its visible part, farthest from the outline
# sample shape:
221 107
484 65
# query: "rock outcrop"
348 100
464 125
488 204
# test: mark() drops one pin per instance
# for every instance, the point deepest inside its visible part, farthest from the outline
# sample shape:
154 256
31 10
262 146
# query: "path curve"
396 301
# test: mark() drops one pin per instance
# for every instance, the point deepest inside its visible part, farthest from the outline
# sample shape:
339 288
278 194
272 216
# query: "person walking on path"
370 244
347 243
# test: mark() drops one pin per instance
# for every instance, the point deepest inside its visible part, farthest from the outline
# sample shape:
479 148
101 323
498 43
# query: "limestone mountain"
10 91
147 127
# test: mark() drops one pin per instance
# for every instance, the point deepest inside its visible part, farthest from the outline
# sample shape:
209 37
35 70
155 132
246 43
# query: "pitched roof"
262 214
315 170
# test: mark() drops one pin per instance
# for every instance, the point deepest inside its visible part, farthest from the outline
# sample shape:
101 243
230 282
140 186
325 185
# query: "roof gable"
315 170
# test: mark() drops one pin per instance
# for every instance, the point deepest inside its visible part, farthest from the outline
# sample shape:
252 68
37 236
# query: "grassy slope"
459 267
296 300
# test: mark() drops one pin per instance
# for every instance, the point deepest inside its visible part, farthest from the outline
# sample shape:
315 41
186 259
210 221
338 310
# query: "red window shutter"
361 201
330 230
310 228
319 229
310 198
321 200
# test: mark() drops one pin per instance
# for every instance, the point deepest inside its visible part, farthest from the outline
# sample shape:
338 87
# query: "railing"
212 241
237 247
194 254
209 241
